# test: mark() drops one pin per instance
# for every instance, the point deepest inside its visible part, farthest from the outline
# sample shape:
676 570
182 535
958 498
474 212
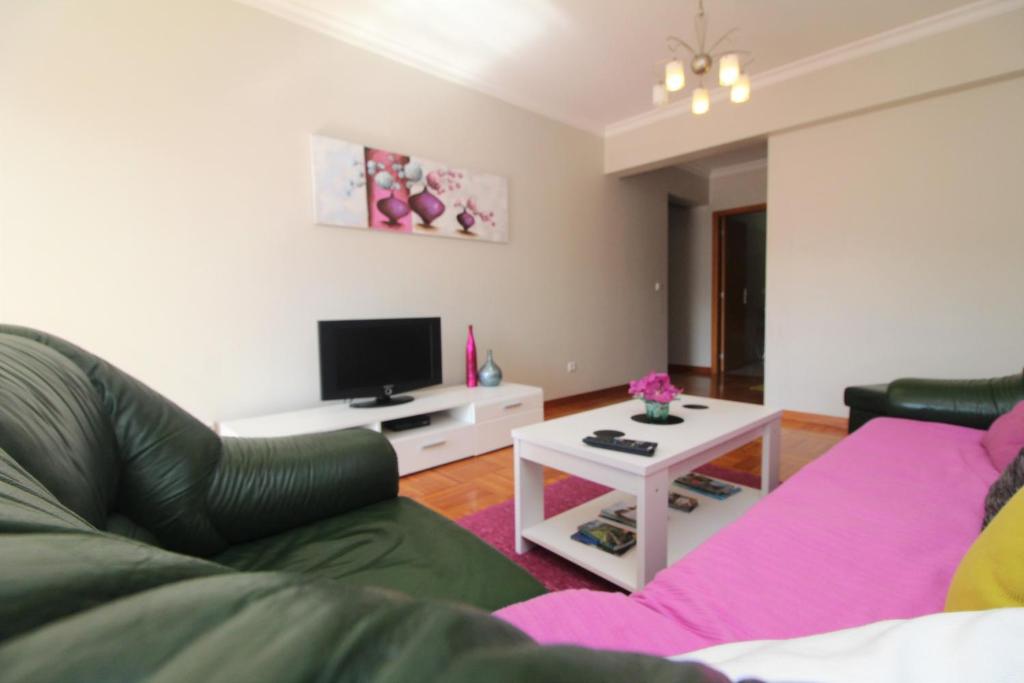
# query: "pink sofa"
872 530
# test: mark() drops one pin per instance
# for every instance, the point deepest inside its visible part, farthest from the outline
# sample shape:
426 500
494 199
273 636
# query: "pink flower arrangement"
654 387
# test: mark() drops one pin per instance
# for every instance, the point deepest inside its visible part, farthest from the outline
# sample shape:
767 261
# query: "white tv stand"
463 422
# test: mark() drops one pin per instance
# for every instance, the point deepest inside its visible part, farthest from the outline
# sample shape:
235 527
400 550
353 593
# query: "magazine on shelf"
624 512
707 486
607 537
621 512
584 539
679 501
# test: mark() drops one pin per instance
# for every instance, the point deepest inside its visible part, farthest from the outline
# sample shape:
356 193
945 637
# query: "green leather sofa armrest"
266 486
865 402
967 402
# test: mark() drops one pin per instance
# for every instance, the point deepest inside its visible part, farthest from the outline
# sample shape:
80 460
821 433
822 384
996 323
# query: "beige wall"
895 247
689 335
157 208
735 190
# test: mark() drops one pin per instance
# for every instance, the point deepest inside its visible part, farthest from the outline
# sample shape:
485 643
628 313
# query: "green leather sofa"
129 462
966 402
136 545
80 605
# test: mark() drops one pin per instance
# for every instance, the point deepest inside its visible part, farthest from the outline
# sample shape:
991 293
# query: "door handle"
510 406
434 445
744 296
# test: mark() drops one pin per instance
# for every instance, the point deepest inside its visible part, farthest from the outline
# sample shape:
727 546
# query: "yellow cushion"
992 572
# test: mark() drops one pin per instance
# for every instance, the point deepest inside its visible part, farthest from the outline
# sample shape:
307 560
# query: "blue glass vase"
656 411
489 374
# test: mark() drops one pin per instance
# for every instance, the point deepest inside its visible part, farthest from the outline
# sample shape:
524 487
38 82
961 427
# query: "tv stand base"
381 401
463 422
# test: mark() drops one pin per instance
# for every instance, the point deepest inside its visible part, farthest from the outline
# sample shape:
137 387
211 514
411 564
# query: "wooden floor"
461 488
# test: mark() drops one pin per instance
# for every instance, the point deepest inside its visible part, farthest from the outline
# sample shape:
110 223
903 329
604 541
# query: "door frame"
717 281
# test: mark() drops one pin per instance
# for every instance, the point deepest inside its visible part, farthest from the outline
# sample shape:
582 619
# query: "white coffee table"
663 535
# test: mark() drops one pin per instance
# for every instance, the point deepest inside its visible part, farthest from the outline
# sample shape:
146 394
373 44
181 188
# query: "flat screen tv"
378 358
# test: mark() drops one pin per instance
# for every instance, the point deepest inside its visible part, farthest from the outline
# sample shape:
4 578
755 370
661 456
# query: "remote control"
645 448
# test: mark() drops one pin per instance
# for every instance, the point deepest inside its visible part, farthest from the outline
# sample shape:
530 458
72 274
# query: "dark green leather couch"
79 605
966 402
127 461
135 545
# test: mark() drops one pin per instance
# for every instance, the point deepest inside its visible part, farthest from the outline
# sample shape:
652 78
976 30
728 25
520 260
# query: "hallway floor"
732 387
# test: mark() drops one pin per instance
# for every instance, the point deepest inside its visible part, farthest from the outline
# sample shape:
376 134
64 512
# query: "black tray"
670 420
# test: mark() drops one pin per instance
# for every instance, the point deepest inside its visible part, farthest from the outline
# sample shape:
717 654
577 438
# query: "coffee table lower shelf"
686 530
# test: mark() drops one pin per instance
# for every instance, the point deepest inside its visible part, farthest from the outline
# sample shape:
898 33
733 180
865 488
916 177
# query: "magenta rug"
496 526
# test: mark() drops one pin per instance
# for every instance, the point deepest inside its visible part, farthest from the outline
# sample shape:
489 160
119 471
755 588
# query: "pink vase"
466 220
393 207
470 359
427 206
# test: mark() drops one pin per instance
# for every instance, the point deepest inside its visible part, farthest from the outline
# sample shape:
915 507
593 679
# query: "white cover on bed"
983 646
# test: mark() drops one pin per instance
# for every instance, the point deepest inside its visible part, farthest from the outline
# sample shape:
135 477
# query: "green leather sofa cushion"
53 563
397 544
26 506
122 526
44 577
54 424
279 628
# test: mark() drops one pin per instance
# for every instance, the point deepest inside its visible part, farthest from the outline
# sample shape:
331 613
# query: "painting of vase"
371 188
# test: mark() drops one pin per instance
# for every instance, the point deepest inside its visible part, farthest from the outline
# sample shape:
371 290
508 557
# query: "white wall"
895 247
157 208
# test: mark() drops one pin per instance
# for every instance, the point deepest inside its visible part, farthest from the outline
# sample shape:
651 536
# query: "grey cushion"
1002 490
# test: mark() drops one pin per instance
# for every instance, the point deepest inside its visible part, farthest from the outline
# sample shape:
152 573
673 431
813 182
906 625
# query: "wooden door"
736 295
739 288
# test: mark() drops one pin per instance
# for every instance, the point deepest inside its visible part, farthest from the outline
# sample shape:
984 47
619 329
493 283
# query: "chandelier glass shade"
675 76
702 62
740 91
700 101
728 69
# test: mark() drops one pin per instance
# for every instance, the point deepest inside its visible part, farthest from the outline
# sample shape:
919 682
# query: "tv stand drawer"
422 451
507 407
495 434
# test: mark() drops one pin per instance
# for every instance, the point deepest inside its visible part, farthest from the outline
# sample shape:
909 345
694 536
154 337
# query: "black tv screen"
378 358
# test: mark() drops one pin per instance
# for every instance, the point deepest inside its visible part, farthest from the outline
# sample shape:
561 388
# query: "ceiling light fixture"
730 70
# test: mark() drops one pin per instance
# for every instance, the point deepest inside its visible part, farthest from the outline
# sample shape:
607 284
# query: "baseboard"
815 418
692 369
598 393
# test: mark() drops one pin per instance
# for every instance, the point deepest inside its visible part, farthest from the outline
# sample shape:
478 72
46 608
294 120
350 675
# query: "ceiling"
589 63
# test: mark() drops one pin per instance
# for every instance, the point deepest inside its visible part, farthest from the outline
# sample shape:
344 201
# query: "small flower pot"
656 412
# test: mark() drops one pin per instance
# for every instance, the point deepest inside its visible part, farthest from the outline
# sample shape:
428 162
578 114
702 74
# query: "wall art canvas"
364 187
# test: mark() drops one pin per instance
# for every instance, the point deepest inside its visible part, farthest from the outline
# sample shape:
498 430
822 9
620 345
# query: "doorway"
738 297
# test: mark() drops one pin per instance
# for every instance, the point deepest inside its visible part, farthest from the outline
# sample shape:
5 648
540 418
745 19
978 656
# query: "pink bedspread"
873 529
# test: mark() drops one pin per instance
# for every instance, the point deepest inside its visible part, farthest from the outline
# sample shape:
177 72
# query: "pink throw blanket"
873 529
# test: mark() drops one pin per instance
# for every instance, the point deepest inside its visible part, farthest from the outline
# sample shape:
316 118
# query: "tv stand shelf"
464 422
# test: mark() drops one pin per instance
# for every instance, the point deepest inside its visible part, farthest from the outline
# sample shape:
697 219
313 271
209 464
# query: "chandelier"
702 59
